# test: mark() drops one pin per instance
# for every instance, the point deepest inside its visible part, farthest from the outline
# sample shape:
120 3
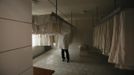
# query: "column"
15 37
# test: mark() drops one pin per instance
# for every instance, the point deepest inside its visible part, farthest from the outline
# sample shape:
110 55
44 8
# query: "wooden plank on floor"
42 71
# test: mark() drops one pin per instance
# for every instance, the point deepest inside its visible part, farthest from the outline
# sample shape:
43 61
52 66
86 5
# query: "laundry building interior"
99 35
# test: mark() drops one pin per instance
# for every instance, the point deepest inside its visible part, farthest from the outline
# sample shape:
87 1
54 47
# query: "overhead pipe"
71 18
56 5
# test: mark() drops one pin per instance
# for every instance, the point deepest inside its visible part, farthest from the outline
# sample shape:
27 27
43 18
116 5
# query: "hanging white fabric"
119 39
108 37
51 25
115 46
41 40
46 24
122 42
102 36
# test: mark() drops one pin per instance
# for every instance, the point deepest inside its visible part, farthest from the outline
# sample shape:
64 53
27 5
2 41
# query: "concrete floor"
81 63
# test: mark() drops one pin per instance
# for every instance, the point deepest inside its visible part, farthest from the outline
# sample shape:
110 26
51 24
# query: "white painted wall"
15 37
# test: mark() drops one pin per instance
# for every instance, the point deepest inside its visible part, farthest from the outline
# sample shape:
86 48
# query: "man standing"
64 44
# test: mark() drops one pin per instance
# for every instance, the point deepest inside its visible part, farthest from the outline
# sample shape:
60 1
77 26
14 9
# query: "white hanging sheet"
122 49
46 24
115 38
102 36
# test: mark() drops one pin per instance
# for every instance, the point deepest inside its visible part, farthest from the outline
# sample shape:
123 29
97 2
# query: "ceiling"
78 8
